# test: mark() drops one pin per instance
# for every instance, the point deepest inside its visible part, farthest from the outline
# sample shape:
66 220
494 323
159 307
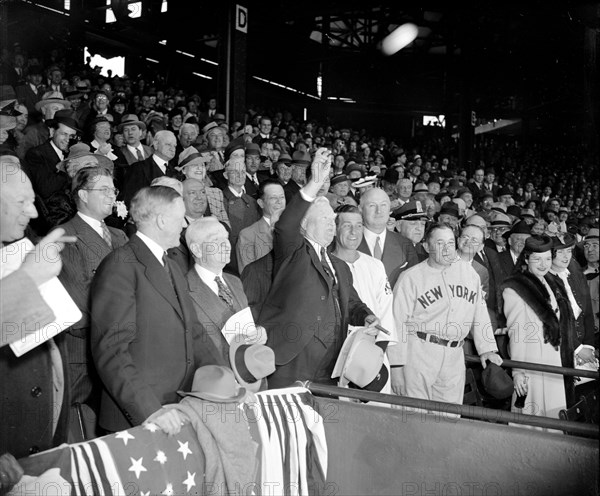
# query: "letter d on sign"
241 18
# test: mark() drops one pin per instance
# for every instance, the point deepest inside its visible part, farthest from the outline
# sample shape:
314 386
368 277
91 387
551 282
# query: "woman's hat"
538 243
251 363
562 241
215 383
79 150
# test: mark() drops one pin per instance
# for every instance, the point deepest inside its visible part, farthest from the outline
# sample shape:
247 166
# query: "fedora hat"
215 383
79 150
212 127
360 363
8 114
130 119
252 149
592 234
421 188
301 159
520 227
450 208
251 363
496 381
52 97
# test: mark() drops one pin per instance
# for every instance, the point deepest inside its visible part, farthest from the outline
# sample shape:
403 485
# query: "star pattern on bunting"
160 457
190 481
151 427
168 490
142 493
136 466
184 449
125 436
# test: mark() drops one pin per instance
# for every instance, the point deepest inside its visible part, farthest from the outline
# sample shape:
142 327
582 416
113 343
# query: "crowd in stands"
63 125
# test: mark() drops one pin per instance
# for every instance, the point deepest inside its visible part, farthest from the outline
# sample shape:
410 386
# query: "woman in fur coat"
540 327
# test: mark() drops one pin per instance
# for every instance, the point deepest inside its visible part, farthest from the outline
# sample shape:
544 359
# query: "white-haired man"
141 174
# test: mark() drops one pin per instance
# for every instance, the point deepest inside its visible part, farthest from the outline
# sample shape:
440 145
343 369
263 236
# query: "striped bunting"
292 439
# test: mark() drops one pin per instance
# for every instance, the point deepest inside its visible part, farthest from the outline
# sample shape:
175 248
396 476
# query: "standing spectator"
242 209
590 251
146 339
141 174
436 304
540 328
134 151
392 248
94 194
312 300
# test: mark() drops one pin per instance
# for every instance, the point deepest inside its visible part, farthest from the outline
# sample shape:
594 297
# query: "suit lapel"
206 299
90 238
156 273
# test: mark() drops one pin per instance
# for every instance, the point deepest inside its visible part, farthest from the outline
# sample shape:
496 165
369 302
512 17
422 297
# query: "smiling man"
94 193
312 300
436 304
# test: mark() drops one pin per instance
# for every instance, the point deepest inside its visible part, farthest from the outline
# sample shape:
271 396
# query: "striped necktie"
224 292
106 234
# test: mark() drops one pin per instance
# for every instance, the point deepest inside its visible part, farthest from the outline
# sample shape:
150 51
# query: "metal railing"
541 367
472 411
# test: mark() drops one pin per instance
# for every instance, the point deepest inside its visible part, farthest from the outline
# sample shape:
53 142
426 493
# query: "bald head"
16 201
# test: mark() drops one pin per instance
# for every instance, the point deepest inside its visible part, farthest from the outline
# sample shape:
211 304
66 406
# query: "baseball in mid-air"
399 38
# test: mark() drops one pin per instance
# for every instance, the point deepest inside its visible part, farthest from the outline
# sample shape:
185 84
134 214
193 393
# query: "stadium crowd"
176 220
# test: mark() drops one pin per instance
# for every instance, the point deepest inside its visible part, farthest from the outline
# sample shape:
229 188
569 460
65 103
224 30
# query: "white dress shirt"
208 278
95 224
153 246
162 164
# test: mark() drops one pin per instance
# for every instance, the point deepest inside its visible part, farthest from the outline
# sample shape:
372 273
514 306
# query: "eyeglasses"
472 241
106 190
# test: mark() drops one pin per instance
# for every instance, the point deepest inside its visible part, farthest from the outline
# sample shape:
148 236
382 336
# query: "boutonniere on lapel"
121 209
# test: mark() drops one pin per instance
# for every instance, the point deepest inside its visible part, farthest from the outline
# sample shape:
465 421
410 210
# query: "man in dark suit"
146 339
94 194
241 208
395 251
312 300
252 164
216 295
476 186
31 92
488 184
32 397
141 174
300 161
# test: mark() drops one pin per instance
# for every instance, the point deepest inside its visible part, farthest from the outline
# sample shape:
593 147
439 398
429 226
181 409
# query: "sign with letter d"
241 19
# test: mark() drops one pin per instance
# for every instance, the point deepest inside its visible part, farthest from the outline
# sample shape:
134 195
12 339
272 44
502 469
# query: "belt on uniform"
432 338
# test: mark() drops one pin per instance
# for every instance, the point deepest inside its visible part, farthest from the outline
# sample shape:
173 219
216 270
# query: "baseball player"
436 304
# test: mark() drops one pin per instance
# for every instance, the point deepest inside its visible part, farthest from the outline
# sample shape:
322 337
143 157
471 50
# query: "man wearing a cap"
311 301
499 225
41 161
507 259
436 304
133 150
591 254
392 248
141 174
411 219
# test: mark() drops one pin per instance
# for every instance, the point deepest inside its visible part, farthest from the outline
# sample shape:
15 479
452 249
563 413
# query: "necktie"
254 180
377 253
140 155
106 234
224 292
326 266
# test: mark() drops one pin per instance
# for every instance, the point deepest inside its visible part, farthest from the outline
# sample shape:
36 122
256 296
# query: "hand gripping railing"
541 367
